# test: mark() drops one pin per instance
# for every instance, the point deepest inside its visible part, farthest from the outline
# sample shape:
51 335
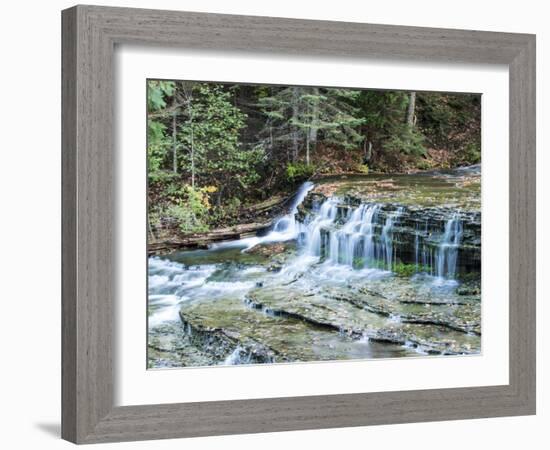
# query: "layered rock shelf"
416 232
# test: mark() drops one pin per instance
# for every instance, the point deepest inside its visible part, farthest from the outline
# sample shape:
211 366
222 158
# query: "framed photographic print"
278 224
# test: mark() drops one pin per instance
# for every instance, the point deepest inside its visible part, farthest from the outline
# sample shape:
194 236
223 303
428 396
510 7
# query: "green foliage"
330 112
157 145
190 208
423 164
386 129
157 92
187 219
219 158
452 122
363 168
234 204
227 213
383 112
472 154
154 216
249 141
442 114
304 115
407 142
298 171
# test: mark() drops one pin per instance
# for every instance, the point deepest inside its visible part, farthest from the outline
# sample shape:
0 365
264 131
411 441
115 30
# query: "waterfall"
285 228
364 237
387 238
368 230
288 221
324 218
416 244
344 241
447 253
423 254
359 237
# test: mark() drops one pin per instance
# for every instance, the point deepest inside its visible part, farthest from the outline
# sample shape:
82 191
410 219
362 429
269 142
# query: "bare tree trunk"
188 93
411 109
219 196
174 140
367 150
314 117
150 228
192 143
295 112
314 125
307 147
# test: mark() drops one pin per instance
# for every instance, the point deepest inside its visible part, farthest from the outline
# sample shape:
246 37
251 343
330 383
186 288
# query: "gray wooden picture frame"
90 34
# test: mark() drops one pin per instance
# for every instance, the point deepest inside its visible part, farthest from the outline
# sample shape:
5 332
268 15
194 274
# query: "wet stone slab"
225 328
435 328
453 188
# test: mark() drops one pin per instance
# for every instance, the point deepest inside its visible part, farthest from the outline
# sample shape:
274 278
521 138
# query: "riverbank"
166 236
203 240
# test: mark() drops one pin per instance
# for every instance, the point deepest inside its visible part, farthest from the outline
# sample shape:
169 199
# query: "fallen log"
267 205
201 240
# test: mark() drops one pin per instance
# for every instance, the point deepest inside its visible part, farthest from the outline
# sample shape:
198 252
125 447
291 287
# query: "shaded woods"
227 155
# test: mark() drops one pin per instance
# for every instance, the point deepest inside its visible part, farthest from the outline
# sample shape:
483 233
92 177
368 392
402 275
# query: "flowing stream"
284 229
339 276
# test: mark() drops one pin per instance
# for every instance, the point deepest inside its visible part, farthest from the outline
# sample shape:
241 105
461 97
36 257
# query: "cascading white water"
366 239
285 228
355 242
360 241
387 238
368 230
447 254
362 237
348 237
168 285
422 255
299 197
171 284
325 217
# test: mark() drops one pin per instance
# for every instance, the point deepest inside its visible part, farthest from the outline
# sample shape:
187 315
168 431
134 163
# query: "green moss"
462 192
358 263
408 270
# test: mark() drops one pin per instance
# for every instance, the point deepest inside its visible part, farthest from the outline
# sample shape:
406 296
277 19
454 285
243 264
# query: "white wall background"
30 226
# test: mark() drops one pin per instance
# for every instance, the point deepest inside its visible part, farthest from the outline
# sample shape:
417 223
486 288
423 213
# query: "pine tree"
212 132
297 116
